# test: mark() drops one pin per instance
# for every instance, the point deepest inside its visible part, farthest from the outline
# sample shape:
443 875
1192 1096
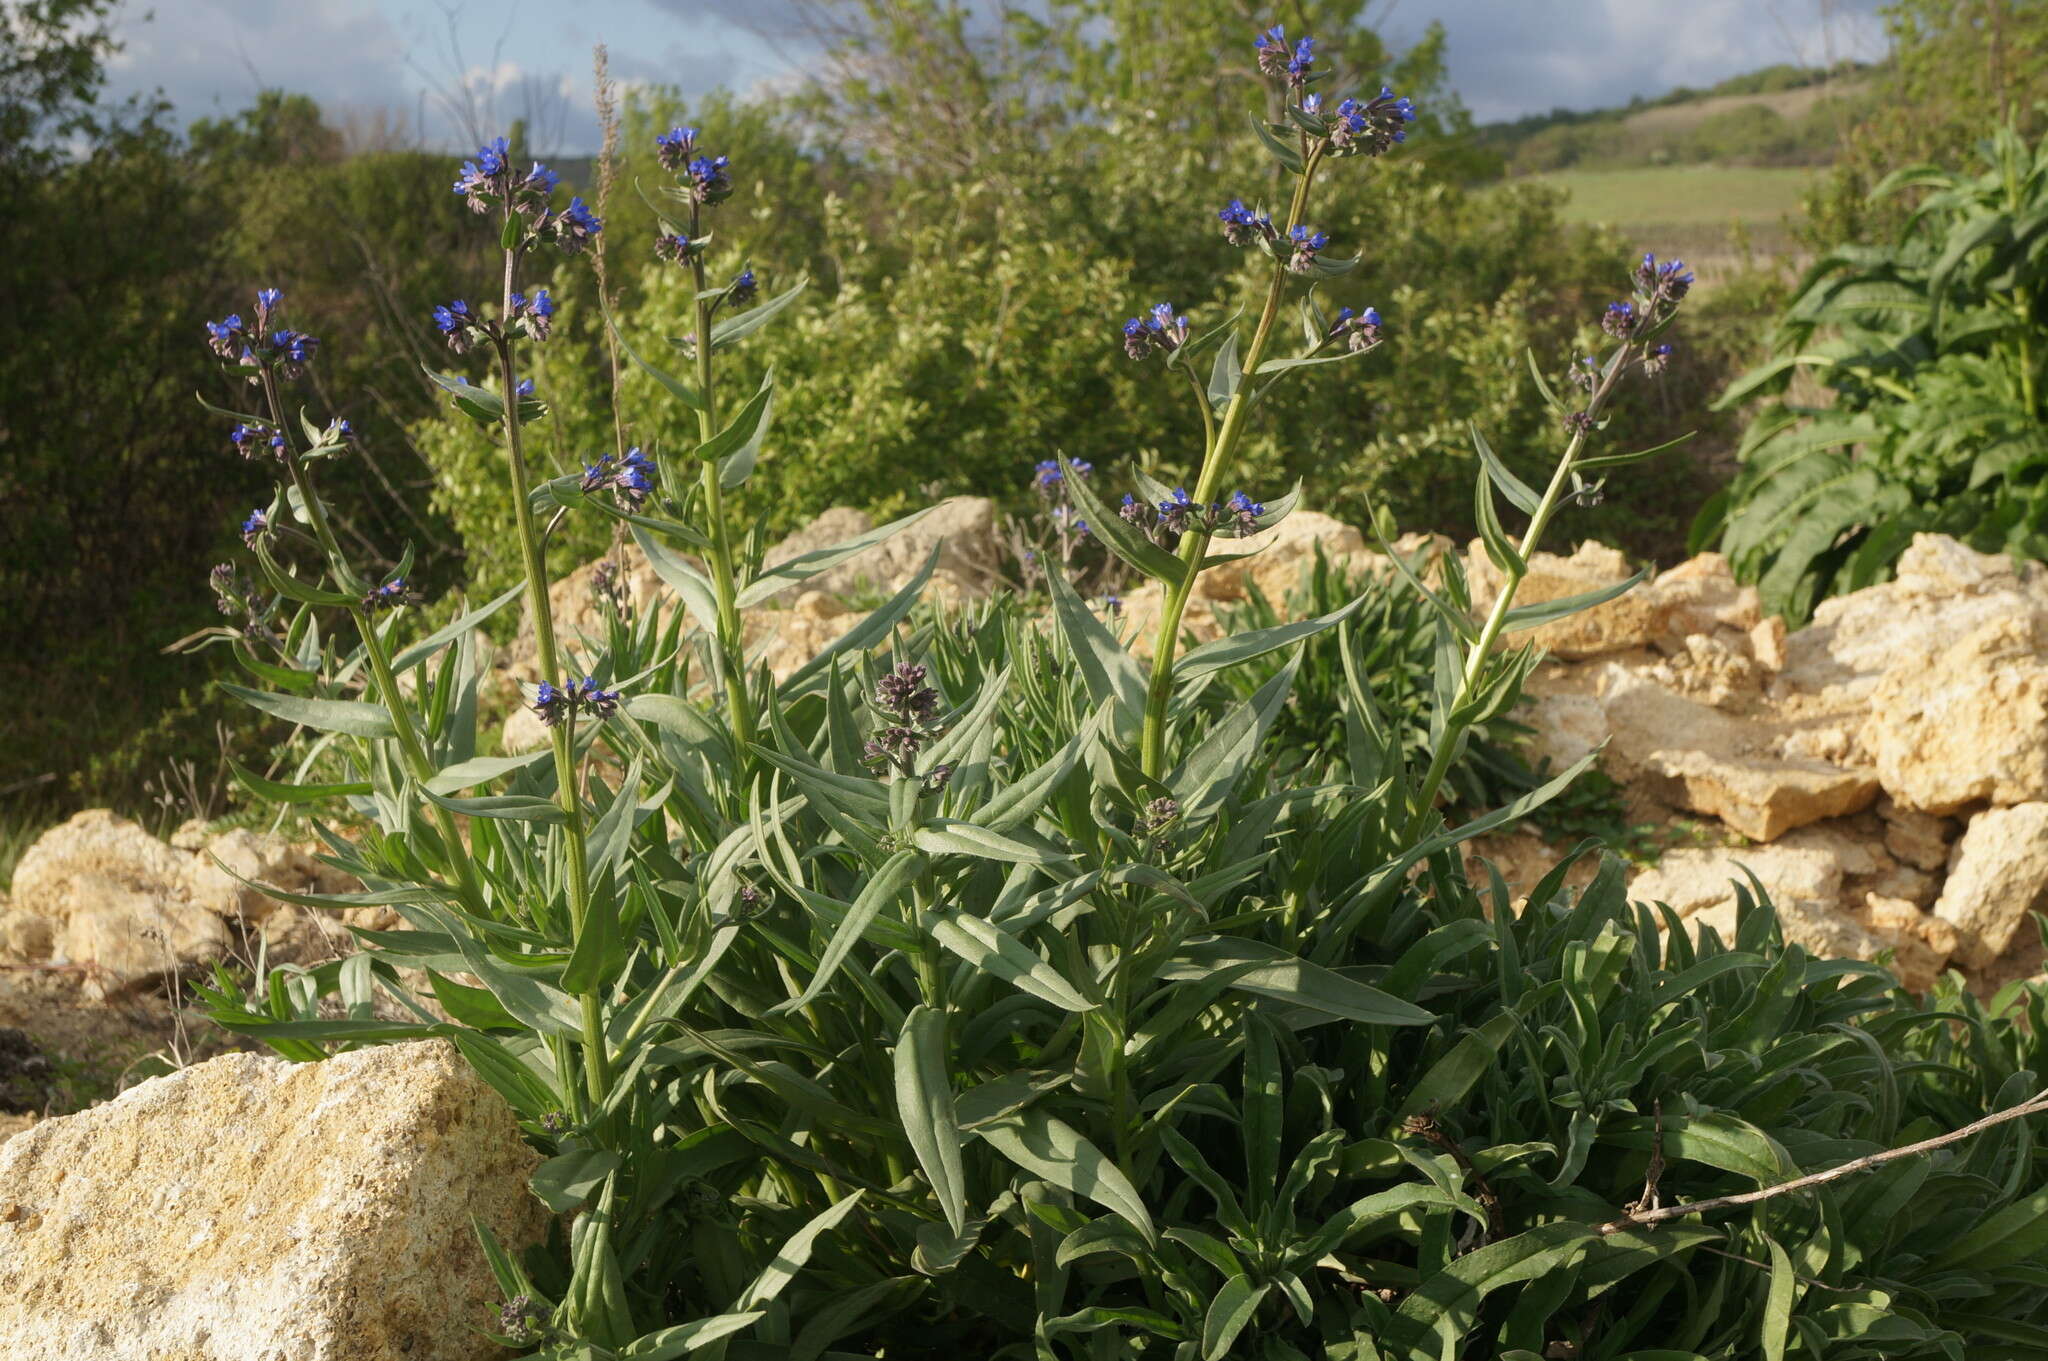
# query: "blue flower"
1244 512
709 180
339 430
390 595
1667 282
1360 330
291 350
525 388
1132 511
1242 226
675 147
1271 49
1620 320
1373 126
593 700
255 527
540 180
676 248
631 480
551 704
1657 360
1176 511
224 336
1047 476
1161 329
457 326
1312 104
535 315
1304 58
1307 243
575 225
267 299
482 180
248 438
743 289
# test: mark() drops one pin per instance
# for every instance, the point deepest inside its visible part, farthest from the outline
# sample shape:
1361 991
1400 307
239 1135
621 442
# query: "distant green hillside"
1706 213
1782 116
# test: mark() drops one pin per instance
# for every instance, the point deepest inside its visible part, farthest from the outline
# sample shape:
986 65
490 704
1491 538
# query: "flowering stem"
409 746
1195 542
1496 618
534 557
731 652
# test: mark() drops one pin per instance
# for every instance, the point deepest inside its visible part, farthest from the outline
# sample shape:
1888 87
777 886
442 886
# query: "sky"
441 66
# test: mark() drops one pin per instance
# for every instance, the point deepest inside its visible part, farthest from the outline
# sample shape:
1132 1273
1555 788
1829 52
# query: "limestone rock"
1940 591
1693 756
1997 875
1919 839
1695 597
116 902
251 1208
1969 723
265 858
1287 550
963 529
1921 944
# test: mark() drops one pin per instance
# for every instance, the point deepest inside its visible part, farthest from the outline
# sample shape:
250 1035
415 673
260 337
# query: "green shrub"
983 988
1927 358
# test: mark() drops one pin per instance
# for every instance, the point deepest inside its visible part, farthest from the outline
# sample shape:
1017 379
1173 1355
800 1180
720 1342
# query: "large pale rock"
110 898
249 1209
963 529
1940 592
1696 597
1693 756
265 858
1968 723
1998 874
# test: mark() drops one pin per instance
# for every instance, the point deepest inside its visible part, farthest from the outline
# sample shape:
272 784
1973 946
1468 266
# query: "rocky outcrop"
1967 723
252 1208
1998 876
100 894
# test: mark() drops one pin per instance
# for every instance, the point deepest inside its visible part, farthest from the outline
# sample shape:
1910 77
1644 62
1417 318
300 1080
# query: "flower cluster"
458 325
251 440
1371 127
534 315
1242 226
391 595
1358 330
522 1322
1620 320
554 704
264 344
1665 283
630 479
742 290
490 180
255 527
1276 58
1305 243
1180 513
907 706
1160 329
709 177
674 248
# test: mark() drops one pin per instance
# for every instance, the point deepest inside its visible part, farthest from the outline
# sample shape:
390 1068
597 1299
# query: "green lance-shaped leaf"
275 791
1225 652
480 769
1542 612
746 425
505 807
566 1180
684 1338
804 566
924 1100
1273 973
686 581
995 951
1519 493
739 325
1225 374
1109 669
1049 1148
351 717
1276 141
791 1256
1230 1313
1499 547
441 637
677 388
879 892
1119 535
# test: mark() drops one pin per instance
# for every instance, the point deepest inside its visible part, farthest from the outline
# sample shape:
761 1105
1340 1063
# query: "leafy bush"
1927 359
983 989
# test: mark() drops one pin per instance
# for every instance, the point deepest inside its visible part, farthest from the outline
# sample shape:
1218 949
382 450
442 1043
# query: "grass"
1714 216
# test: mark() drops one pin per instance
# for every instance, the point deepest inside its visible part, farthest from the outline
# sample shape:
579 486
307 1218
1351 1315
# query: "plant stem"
1475 658
731 644
534 558
409 746
1194 543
